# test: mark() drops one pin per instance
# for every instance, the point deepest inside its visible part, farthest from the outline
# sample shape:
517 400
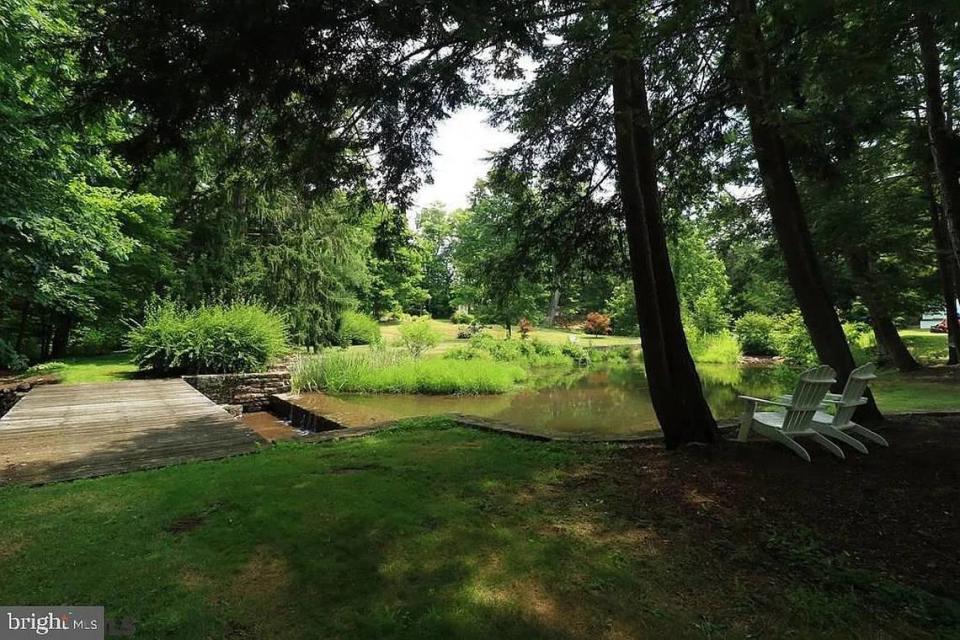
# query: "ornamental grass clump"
235 338
393 371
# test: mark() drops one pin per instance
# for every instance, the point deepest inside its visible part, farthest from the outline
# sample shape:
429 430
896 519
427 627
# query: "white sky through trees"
464 143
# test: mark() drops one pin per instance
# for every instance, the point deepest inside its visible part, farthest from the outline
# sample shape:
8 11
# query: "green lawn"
108 368
431 531
391 334
898 392
928 348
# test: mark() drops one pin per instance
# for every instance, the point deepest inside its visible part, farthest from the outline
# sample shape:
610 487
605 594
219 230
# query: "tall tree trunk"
888 338
44 338
783 198
554 307
947 257
946 162
674 385
22 328
946 266
61 337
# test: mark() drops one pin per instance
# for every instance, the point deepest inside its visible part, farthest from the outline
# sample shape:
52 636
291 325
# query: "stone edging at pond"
11 393
250 390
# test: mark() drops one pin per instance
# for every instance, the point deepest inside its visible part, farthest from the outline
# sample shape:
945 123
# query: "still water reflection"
592 401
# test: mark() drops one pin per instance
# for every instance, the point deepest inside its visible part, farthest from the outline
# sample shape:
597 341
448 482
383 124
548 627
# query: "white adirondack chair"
836 425
797 418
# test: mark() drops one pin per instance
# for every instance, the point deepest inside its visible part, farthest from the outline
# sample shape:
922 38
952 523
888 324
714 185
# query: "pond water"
607 401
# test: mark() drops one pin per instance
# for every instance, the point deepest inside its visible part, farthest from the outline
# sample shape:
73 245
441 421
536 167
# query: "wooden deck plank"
58 433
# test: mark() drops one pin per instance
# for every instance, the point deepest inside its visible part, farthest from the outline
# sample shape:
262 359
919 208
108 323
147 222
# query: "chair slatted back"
812 387
850 399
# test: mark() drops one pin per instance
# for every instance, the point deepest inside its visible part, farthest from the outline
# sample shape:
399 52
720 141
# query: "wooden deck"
61 432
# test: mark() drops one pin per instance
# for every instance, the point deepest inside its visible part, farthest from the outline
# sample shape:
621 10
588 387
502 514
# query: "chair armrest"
789 398
765 401
838 401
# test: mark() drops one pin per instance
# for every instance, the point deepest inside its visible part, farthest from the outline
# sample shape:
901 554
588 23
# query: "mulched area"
894 513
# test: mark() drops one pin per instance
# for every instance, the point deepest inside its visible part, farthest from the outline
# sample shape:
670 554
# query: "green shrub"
208 339
44 368
861 340
383 371
708 314
531 352
462 317
719 348
793 341
467 331
575 352
356 328
755 331
418 336
613 355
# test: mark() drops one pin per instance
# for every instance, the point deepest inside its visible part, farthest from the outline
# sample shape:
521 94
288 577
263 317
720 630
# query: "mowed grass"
429 531
895 393
926 347
108 368
391 334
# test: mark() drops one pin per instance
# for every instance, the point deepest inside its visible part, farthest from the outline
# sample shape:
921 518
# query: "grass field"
391 335
107 368
928 348
434 531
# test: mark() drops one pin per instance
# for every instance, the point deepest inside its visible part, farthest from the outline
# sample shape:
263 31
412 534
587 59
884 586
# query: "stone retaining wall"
8 398
251 390
300 418
11 393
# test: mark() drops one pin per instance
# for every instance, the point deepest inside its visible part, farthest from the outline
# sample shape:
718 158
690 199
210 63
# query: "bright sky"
463 143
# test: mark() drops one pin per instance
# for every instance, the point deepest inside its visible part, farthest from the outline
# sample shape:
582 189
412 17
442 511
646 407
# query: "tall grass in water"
383 371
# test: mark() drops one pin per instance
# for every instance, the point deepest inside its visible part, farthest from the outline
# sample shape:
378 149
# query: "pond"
604 401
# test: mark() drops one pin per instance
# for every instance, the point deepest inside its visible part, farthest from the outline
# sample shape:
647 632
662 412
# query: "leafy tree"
64 216
396 267
493 277
252 233
435 240
701 281
754 72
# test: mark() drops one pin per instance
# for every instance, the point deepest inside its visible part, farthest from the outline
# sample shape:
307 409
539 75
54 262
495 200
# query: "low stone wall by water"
251 390
11 393
8 398
300 418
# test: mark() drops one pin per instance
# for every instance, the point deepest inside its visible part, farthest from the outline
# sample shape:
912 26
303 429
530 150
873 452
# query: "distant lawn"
929 348
108 368
897 394
433 531
391 333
